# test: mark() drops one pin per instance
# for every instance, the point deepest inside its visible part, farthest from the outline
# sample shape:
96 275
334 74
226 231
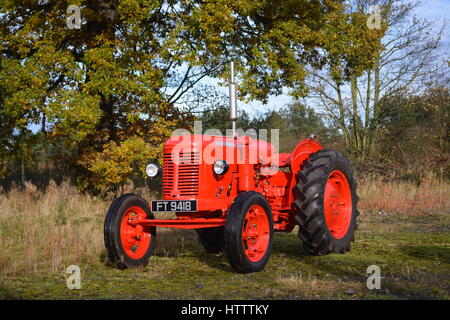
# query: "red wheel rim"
134 238
255 233
338 204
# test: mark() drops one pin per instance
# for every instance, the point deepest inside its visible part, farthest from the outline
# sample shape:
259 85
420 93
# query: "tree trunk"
356 128
107 121
367 131
345 132
22 172
376 100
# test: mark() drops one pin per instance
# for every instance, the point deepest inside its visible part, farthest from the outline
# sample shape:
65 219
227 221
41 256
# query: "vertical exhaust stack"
233 101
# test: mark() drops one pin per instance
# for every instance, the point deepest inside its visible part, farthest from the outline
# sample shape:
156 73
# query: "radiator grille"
182 176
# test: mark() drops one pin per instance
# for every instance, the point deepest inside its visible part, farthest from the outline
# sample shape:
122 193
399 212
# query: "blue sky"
437 10
434 9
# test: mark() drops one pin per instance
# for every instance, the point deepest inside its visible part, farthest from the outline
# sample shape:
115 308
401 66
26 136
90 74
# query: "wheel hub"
255 233
135 240
338 204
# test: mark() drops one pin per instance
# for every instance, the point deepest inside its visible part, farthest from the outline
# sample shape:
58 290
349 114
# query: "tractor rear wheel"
249 233
129 245
211 239
326 203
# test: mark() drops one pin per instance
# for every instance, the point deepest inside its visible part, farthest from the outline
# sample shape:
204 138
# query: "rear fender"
302 152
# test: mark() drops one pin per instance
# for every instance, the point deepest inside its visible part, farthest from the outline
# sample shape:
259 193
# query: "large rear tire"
326 203
129 245
249 233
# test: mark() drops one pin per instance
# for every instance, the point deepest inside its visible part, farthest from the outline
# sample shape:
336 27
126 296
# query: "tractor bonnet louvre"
181 175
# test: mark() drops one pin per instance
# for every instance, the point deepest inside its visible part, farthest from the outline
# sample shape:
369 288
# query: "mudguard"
302 151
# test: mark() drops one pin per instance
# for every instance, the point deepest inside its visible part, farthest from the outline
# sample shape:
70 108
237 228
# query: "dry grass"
299 282
432 195
58 227
50 229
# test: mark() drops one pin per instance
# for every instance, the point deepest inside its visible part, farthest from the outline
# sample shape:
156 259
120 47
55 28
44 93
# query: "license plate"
174 205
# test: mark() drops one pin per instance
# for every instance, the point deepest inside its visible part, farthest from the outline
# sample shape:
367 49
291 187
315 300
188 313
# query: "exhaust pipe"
233 101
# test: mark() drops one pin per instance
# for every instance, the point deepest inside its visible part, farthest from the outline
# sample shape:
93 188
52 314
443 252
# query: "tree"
436 101
117 78
414 130
295 122
351 98
302 120
218 118
125 75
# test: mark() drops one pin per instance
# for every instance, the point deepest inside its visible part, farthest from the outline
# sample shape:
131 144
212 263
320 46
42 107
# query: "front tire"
326 203
127 245
249 233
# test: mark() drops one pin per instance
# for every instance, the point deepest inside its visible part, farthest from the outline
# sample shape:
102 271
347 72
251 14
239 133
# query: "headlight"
152 170
220 167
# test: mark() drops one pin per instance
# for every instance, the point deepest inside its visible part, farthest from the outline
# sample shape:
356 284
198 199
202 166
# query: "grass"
404 229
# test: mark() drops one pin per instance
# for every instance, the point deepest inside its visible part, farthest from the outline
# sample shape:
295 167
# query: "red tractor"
236 192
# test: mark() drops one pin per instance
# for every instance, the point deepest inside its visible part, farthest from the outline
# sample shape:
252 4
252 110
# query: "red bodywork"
254 165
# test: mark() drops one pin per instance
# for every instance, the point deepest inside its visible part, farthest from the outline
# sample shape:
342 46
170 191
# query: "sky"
437 10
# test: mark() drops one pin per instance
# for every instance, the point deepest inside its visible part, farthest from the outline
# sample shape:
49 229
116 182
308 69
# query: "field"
403 228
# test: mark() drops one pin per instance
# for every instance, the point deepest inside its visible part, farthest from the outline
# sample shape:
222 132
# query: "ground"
411 249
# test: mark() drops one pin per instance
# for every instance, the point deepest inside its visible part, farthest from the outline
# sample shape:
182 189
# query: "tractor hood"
212 148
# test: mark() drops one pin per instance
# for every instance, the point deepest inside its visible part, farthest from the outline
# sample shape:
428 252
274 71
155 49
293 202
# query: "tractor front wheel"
129 245
249 233
326 203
